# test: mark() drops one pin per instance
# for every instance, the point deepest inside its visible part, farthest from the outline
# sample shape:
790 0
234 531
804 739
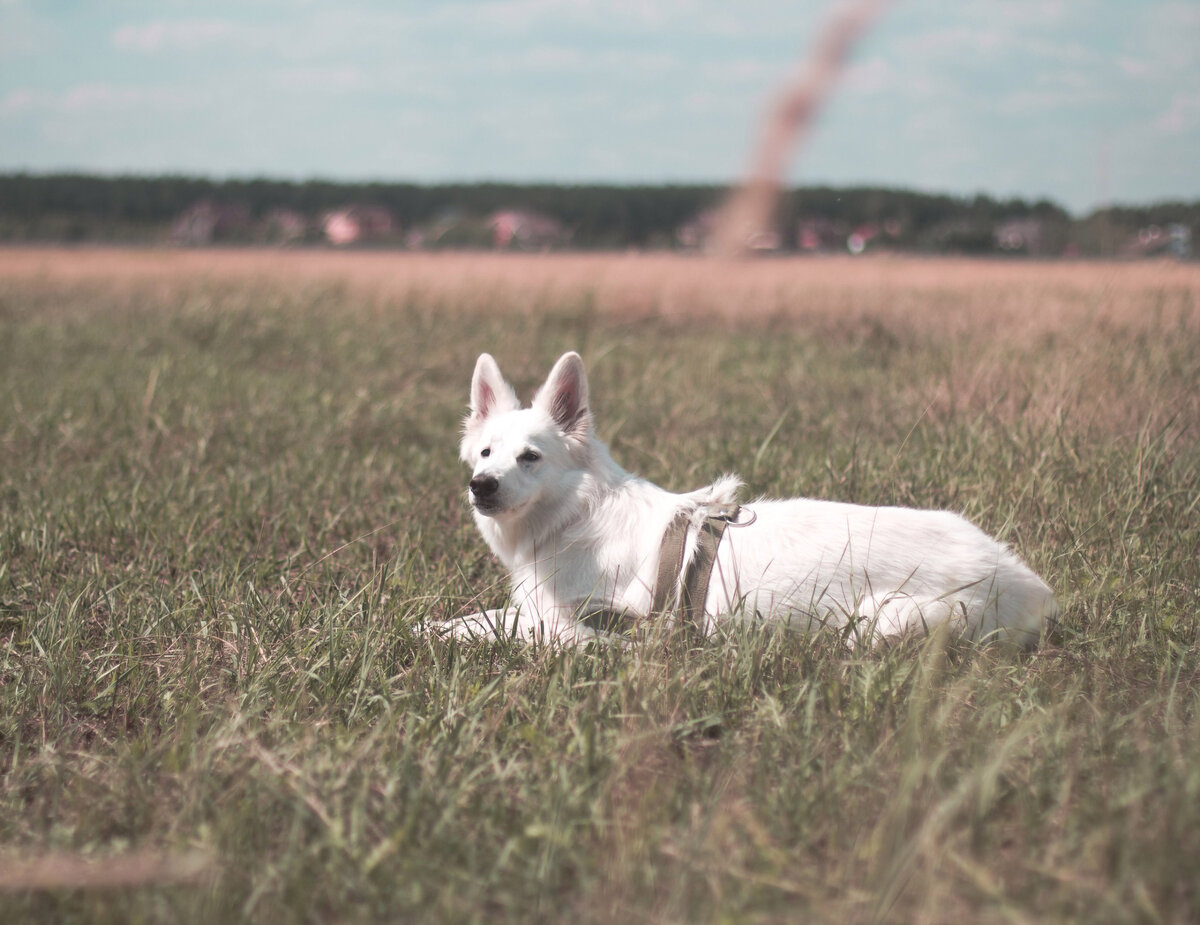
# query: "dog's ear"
490 394
564 396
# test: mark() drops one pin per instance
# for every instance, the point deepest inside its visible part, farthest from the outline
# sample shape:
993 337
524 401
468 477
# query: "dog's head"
524 457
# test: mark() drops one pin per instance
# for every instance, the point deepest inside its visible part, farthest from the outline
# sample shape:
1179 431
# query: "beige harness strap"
670 564
694 589
695 580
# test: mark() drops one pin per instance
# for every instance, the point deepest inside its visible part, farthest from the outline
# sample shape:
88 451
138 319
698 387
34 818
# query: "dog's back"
891 570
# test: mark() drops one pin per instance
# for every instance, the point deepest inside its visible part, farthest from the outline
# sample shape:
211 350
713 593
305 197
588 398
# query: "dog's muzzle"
485 490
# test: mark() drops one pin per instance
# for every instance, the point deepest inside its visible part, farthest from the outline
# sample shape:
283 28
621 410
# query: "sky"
1084 102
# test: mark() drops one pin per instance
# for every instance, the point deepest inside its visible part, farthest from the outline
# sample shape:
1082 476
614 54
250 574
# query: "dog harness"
689 606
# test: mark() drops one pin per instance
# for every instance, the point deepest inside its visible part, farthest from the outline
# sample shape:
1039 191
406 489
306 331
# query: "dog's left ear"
565 396
490 394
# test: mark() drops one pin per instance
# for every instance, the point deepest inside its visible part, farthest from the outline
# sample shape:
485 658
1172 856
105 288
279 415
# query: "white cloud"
1182 115
1134 67
958 40
739 72
163 36
337 79
20 31
1169 37
1033 13
1047 98
663 19
551 58
872 76
23 99
1181 15
98 97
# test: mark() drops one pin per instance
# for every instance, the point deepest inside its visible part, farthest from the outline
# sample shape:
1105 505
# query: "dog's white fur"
581 535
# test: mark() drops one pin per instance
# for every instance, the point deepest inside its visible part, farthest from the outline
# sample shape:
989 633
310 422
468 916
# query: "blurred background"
1043 128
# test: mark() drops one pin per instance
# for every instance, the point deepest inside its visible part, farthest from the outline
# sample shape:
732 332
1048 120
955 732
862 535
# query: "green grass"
228 515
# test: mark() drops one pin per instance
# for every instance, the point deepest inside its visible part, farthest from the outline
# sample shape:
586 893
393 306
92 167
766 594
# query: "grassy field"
231 505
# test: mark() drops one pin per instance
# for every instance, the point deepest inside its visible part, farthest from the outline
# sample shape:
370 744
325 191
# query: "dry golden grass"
72 872
1080 318
1025 299
230 506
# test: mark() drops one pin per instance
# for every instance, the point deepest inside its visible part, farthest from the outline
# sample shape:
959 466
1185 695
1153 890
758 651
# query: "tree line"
81 208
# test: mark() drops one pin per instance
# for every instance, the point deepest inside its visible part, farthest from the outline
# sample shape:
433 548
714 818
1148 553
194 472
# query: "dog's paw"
473 626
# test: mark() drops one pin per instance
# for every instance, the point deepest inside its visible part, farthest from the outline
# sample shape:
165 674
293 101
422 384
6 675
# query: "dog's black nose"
484 486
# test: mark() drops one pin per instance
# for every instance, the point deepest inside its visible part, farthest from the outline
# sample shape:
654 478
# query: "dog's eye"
529 456
486 451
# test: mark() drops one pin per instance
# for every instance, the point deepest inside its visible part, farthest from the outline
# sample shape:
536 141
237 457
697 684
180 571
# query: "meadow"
231 512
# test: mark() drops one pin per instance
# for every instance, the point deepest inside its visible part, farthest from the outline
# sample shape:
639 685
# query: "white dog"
583 538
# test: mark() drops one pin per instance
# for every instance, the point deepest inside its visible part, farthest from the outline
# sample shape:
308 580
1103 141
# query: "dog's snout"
484 486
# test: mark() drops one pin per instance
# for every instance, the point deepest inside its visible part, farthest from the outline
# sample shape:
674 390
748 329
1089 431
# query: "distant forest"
71 208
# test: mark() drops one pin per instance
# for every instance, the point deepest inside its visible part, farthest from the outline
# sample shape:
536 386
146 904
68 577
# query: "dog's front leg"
503 623
560 625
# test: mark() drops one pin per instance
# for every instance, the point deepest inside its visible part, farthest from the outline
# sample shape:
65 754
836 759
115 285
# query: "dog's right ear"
490 394
564 396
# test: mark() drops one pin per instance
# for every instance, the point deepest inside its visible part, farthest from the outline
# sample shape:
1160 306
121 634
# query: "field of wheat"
231 508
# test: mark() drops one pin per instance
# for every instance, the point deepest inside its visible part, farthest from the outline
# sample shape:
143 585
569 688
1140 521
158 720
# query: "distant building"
763 242
451 228
1020 235
525 230
860 237
695 233
816 234
358 224
1171 240
283 226
1180 238
206 222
